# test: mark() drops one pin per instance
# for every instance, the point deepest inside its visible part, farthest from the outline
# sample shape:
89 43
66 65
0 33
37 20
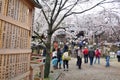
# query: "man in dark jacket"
118 55
59 56
91 55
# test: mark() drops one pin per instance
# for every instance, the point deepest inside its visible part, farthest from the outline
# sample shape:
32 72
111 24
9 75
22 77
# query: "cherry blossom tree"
54 12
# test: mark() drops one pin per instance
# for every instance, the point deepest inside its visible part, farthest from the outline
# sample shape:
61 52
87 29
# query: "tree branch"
67 6
58 12
46 4
110 2
64 3
65 15
40 38
53 11
45 16
86 9
59 22
64 28
72 7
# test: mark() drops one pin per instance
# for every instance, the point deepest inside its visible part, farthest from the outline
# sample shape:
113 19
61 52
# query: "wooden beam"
28 3
14 51
17 23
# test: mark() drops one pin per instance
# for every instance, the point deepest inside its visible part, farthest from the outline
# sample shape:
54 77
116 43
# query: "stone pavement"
94 72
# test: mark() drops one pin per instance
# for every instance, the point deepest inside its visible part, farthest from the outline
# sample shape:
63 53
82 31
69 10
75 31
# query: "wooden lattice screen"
15 33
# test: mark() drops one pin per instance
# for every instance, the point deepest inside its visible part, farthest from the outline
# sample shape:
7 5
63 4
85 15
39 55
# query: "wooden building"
16 18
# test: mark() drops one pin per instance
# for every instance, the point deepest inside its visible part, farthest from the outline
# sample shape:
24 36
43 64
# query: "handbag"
65 56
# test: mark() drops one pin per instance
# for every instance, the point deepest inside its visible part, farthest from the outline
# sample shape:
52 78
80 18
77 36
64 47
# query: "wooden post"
42 72
1 34
31 73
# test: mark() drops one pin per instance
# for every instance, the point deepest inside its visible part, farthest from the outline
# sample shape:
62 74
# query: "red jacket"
85 51
97 53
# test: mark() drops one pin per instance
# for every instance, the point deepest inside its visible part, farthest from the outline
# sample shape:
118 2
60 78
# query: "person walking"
97 56
54 59
118 55
91 55
107 57
85 52
66 58
59 57
79 58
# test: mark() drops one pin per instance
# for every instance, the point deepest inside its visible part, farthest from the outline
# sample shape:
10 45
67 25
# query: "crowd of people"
61 56
88 54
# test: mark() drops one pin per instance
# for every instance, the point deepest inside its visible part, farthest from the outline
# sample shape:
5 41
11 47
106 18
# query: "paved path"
95 72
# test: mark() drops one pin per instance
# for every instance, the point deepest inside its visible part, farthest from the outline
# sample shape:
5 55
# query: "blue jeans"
65 64
107 61
96 60
91 60
86 58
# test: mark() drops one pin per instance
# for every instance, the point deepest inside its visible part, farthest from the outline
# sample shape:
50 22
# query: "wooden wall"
15 34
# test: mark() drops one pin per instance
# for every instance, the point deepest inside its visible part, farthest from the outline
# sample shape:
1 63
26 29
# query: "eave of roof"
36 3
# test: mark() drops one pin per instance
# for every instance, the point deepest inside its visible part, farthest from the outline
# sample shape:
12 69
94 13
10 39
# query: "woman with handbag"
66 58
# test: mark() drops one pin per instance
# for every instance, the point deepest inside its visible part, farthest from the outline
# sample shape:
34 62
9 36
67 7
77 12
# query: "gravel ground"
94 72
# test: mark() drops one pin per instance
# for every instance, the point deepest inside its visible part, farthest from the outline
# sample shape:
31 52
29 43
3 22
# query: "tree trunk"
47 66
48 58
